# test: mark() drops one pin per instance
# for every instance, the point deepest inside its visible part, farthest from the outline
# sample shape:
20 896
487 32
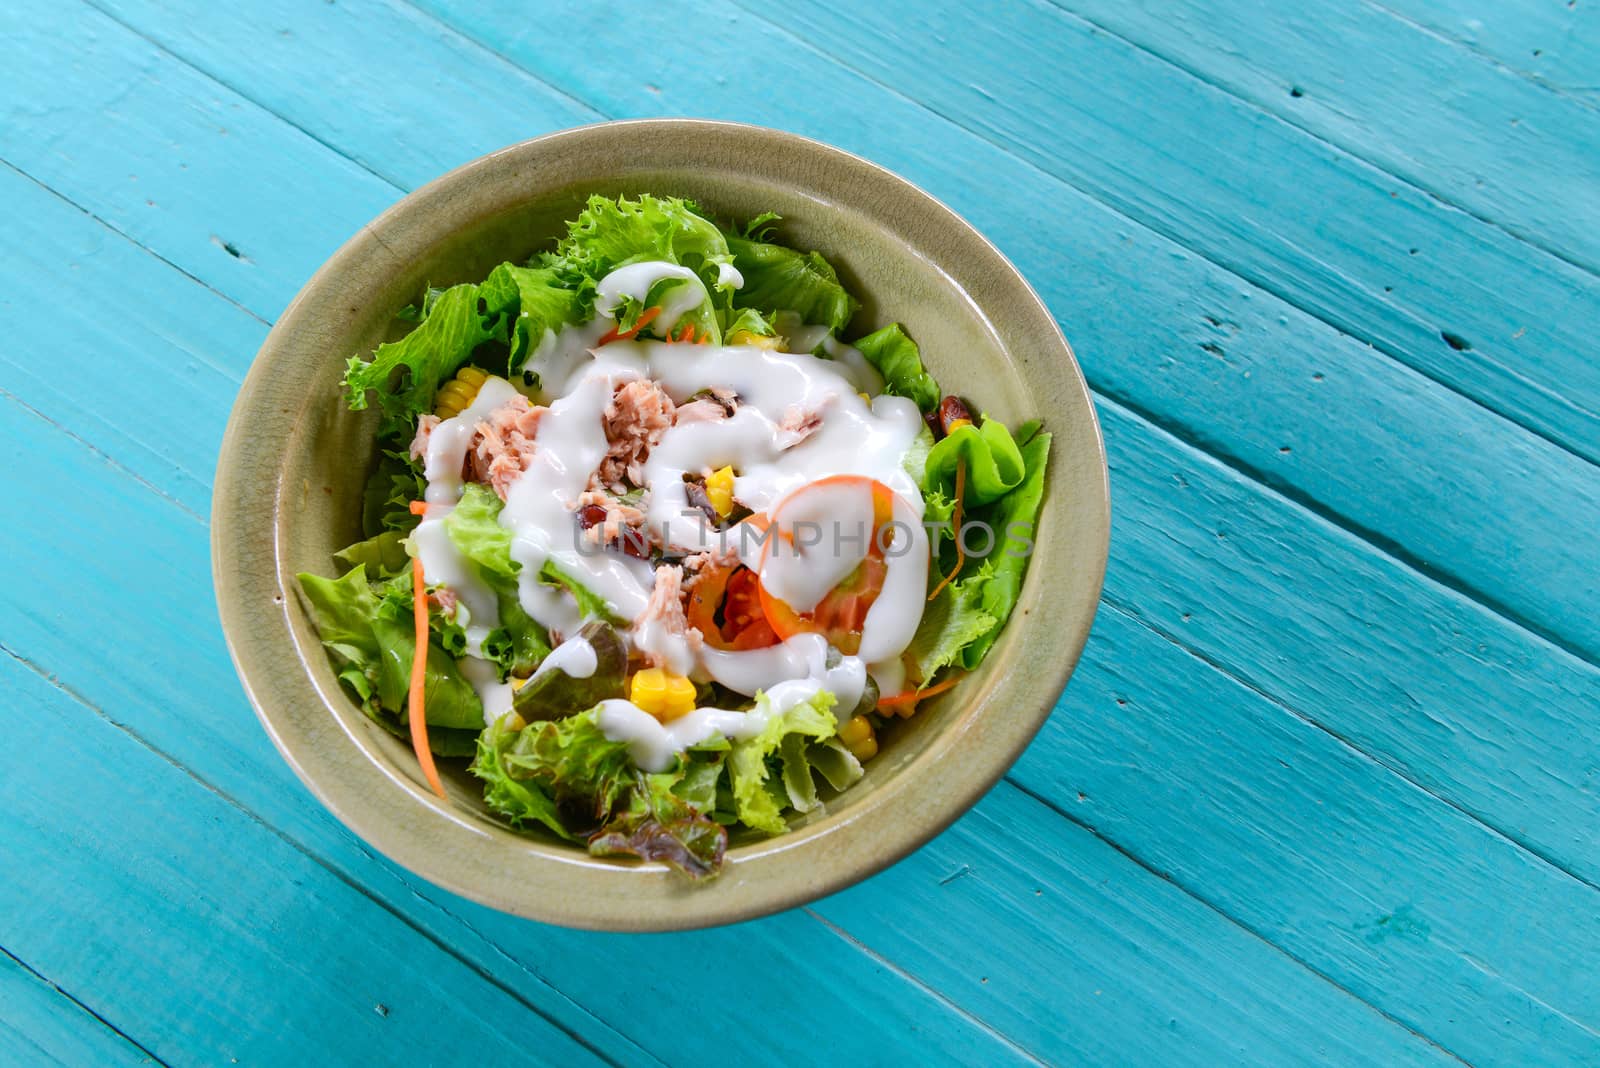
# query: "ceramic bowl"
293 462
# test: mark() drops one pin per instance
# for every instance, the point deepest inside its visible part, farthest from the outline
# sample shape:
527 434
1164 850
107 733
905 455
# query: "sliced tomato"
842 612
725 607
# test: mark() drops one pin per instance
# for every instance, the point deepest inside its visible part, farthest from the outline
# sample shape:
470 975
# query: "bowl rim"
582 891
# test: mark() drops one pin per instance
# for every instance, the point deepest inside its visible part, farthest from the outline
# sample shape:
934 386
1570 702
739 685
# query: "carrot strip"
911 697
419 507
961 556
687 333
644 320
419 675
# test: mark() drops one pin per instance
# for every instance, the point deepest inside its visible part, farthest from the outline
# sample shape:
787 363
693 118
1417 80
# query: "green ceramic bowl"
293 463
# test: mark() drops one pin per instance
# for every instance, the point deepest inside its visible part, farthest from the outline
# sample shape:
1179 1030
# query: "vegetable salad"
657 549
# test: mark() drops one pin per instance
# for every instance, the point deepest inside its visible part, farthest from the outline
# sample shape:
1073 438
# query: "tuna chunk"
662 632
708 406
606 520
797 425
638 413
419 444
503 445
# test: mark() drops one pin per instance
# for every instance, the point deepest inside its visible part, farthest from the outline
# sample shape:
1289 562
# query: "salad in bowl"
656 544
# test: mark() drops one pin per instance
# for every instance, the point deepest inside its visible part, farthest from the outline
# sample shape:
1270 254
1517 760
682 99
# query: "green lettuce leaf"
473 527
383 554
899 361
994 463
567 775
750 321
1013 518
952 621
368 632
519 643
394 484
544 303
405 374
590 604
760 799
609 234
777 279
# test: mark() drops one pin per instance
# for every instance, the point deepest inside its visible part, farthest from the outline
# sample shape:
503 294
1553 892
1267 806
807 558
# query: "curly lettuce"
569 777
778 278
404 375
760 798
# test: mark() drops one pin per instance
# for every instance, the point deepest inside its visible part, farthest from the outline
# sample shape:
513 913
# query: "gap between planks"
68 995
1381 544
1259 284
1187 891
1342 149
1157 425
136 738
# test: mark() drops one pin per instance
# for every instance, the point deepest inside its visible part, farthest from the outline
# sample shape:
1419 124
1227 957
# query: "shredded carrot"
687 333
419 507
644 320
419 675
955 525
911 697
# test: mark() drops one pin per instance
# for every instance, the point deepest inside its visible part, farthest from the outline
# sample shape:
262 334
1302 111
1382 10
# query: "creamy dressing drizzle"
799 664
777 393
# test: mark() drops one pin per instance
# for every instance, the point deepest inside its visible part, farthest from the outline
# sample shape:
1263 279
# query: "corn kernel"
456 395
719 491
663 695
957 424
859 737
855 729
746 337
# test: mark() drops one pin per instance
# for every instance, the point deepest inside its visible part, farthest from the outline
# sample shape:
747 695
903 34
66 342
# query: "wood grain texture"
1482 138
1356 246
1551 44
1474 778
1322 786
1186 967
1007 974
41 1024
1242 376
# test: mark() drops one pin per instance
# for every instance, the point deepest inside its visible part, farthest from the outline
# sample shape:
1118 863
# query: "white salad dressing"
635 281
801 418
442 563
652 744
575 656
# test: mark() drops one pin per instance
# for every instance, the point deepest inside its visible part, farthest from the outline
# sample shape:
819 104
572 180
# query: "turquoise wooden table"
1324 788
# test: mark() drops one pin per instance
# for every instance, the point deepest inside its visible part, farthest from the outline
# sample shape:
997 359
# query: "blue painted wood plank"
1393 267
89 670
1167 970
1551 44
1224 646
1369 880
1256 378
138 887
1244 379
111 530
1483 138
39 1024
1272 383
